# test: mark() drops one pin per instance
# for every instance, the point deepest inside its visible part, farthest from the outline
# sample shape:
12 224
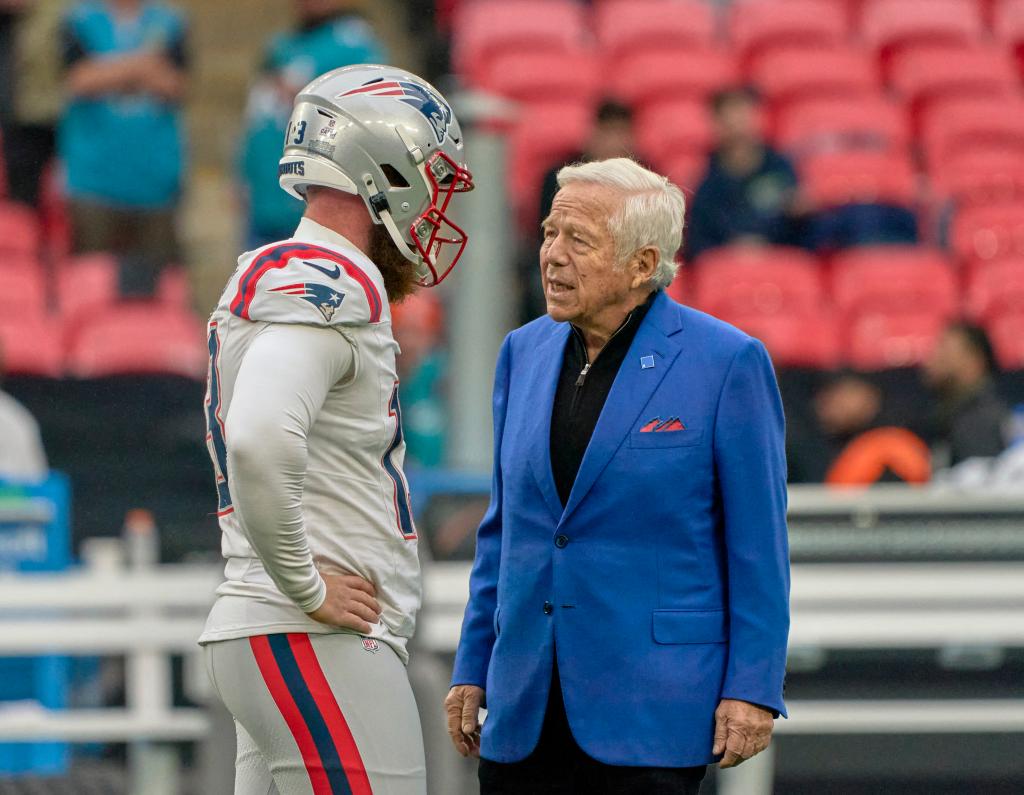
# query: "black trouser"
559 767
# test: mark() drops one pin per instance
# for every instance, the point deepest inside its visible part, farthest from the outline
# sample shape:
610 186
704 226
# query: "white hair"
651 212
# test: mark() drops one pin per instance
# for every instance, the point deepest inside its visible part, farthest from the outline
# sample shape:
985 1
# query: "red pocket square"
657 425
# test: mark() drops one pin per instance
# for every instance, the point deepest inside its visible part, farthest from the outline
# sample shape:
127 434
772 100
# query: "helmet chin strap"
379 207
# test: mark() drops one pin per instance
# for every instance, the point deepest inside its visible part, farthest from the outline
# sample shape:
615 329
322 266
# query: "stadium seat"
1008 23
799 73
803 339
22 288
624 25
831 124
543 76
960 125
979 177
880 341
892 25
19 229
485 29
1007 334
546 135
139 338
648 75
90 282
31 345
759 25
859 177
996 288
667 129
926 74
989 231
894 279
686 170
745 280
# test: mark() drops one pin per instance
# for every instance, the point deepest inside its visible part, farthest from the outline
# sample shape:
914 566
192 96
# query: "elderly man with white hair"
628 609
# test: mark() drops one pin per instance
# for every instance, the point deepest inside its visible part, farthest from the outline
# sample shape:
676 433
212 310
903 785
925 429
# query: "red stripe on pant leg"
290 712
318 685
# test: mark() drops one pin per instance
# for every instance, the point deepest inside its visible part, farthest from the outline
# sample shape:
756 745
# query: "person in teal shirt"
330 34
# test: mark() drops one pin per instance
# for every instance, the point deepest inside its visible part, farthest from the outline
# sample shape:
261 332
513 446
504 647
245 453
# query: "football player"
306 642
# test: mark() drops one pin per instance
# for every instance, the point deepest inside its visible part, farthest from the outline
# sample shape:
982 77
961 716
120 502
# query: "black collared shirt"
580 396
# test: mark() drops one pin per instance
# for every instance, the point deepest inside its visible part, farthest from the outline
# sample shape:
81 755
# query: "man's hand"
350 603
463 709
742 730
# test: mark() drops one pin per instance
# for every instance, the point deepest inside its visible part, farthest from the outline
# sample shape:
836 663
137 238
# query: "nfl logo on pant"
370 644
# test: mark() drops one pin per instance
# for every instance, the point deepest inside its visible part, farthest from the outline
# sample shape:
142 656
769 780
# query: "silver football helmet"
390 137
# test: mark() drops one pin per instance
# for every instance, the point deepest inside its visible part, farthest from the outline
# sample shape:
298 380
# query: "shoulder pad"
294 282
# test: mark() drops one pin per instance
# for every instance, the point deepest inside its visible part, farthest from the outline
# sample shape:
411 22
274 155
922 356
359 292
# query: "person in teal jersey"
329 34
121 139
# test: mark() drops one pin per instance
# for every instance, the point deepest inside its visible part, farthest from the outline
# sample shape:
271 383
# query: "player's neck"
341 213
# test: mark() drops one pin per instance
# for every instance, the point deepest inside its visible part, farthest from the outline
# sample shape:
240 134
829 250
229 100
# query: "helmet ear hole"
394 177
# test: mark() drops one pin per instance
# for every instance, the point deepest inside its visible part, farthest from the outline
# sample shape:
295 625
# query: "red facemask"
439 241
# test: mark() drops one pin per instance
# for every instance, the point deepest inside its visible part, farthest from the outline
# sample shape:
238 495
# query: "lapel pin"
646 362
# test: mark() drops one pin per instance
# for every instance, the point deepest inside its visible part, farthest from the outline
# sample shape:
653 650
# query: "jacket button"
548 608
561 541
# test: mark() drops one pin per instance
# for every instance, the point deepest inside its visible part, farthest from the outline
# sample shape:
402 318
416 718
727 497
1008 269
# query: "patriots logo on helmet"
324 298
427 102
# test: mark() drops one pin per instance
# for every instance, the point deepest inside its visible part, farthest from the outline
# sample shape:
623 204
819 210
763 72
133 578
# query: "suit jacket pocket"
659 439
690 626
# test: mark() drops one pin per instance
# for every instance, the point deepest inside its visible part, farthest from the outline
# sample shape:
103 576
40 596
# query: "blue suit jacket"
672 591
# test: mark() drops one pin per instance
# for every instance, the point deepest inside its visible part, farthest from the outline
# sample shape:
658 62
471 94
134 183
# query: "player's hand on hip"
351 603
742 730
463 709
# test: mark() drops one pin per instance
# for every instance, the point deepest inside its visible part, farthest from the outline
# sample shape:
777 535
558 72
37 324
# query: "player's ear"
643 265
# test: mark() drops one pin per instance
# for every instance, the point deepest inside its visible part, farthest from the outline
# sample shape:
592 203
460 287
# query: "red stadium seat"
485 29
31 345
139 338
1007 334
891 279
925 74
803 339
22 288
758 25
996 288
623 25
668 129
19 229
859 177
1008 22
989 231
878 341
90 282
686 170
979 177
546 136
891 25
830 124
543 76
744 280
798 73
647 75
955 126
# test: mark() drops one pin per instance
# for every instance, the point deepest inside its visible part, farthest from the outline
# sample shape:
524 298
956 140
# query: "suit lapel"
547 365
632 389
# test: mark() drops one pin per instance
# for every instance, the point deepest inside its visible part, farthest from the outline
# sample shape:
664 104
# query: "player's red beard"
399 274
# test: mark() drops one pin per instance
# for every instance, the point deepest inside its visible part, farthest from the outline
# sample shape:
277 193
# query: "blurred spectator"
971 420
329 34
750 191
122 139
612 136
21 447
852 443
418 326
30 90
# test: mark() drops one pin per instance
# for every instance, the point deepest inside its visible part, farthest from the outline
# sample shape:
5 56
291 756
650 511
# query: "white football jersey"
355 510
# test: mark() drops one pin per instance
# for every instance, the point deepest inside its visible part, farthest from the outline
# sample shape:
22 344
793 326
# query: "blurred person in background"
30 91
122 139
329 34
418 324
852 443
21 448
749 193
970 420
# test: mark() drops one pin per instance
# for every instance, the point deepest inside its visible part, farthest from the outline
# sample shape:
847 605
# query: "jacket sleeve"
474 653
750 461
